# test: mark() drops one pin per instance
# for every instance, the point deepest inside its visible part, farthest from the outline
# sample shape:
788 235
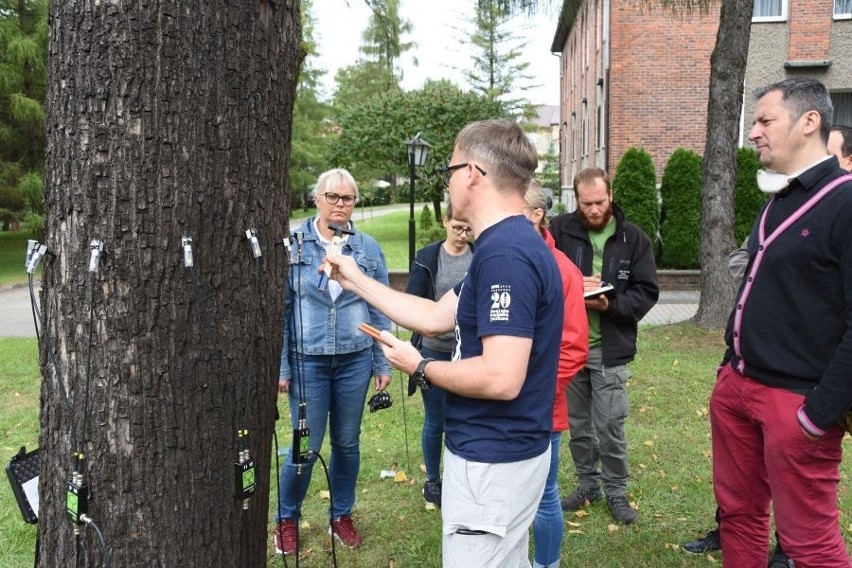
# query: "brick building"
634 74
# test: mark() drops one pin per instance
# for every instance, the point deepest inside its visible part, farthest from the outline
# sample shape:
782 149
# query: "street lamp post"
418 149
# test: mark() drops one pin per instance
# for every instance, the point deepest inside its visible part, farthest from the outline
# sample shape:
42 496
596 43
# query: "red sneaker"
344 530
286 537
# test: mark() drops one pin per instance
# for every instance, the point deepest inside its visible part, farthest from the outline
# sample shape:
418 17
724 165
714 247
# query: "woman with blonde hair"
574 348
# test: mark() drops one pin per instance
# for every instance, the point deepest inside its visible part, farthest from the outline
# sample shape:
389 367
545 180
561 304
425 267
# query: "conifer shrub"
680 223
748 199
428 231
634 189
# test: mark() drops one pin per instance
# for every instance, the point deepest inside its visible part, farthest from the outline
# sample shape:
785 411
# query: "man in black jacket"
607 249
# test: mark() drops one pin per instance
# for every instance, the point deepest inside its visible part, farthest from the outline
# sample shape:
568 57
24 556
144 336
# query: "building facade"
801 37
638 75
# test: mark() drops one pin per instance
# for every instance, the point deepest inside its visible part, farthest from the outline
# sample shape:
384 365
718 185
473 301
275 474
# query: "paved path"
672 307
16 319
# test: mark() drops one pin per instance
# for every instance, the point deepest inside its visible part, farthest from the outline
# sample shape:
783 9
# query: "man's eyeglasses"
446 172
459 230
333 198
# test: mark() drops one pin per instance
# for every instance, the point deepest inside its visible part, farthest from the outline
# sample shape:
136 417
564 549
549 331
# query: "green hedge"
634 188
680 224
748 199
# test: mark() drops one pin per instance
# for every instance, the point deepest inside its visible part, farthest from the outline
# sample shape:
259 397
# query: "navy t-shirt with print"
512 288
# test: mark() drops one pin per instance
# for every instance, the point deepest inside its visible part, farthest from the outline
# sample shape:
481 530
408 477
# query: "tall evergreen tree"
498 70
312 132
376 72
23 76
382 40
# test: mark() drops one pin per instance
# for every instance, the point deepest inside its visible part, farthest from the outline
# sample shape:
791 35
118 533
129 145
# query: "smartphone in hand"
372 332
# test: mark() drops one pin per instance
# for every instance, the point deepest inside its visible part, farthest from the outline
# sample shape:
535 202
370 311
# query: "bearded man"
608 250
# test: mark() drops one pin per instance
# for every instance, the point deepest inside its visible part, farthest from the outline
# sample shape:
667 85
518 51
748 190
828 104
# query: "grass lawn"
669 449
13 252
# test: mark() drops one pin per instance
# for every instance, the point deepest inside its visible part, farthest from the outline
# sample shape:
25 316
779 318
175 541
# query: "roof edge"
567 15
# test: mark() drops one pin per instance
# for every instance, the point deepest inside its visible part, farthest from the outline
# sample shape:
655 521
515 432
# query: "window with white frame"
769 11
842 9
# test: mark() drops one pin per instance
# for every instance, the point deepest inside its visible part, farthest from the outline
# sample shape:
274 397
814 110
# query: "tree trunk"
164 119
727 73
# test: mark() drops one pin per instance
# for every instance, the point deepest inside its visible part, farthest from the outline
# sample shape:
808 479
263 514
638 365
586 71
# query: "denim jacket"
327 327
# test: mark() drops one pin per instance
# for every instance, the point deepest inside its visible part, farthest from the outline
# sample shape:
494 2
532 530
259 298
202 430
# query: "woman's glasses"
333 198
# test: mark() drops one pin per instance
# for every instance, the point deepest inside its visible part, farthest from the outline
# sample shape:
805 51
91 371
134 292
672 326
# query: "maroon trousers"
761 455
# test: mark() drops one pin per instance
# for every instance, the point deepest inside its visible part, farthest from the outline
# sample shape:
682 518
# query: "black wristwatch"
419 376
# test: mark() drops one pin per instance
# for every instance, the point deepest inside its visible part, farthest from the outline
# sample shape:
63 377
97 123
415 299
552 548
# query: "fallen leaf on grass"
580 514
648 443
400 477
325 495
430 506
305 525
423 468
575 531
573 524
612 527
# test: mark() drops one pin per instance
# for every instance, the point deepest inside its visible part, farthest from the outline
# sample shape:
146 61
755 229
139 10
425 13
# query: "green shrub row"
672 218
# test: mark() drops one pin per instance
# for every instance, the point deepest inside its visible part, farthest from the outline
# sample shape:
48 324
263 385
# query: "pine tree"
23 55
312 133
376 72
497 69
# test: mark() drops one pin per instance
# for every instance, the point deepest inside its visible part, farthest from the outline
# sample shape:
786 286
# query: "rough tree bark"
164 119
727 73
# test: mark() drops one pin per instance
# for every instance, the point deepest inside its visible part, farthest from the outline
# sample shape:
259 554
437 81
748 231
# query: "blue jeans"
548 525
335 390
432 436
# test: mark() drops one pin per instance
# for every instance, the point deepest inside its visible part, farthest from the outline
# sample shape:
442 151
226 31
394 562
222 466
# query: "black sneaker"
432 492
579 497
779 559
709 543
621 509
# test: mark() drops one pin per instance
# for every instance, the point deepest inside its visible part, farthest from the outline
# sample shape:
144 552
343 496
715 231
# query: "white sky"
340 23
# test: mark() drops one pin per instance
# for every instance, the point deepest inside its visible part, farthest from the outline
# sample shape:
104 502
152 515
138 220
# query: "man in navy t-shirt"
507 315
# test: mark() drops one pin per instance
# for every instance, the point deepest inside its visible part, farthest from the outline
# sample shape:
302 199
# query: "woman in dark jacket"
436 269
